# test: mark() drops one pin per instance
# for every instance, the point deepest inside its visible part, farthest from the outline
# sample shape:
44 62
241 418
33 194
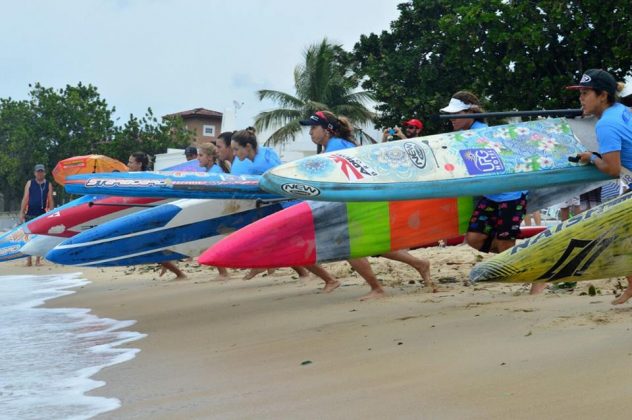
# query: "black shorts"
501 219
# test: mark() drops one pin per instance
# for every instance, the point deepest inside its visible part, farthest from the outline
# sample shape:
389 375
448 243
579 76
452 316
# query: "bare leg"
537 218
174 269
475 239
627 294
331 283
362 266
537 288
222 273
38 261
29 261
301 271
421 265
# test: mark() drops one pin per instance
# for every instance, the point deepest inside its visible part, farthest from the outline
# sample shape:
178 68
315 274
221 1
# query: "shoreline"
275 347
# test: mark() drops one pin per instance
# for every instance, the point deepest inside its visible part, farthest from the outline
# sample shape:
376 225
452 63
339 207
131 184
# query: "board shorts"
500 218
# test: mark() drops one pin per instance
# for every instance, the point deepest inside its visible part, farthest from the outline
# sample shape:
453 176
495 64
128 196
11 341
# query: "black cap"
598 80
319 118
190 151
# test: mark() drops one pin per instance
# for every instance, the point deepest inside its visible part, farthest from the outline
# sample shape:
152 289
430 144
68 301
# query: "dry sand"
274 347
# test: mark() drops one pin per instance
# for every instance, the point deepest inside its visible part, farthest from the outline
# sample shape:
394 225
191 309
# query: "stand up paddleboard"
313 232
86 212
593 245
168 232
169 184
489 160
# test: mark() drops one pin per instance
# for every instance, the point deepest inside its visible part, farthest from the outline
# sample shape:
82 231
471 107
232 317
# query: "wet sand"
275 347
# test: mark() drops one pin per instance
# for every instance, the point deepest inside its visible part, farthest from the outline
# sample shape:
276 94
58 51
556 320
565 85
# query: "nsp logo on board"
300 189
416 154
353 168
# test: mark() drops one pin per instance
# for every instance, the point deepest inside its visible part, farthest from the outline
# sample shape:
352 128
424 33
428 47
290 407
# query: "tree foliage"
322 82
513 54
54 124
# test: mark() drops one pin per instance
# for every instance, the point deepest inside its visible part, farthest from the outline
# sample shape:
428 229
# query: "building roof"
196 112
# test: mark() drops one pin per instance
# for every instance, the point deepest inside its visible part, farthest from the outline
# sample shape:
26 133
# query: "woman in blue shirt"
209 159
597 95
244 145
335 133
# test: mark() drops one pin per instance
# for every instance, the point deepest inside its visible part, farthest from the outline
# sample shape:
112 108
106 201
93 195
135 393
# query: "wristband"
594 156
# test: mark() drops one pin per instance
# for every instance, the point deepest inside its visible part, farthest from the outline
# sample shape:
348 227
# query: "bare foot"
222 277
374 294
181 276
38 262
253 272
331 286
29 263
627 294
537 288
163 270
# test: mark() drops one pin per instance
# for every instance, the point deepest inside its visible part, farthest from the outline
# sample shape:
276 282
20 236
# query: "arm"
609 163
25 201
50 201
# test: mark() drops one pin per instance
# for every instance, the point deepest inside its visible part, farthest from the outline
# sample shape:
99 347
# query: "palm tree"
322 83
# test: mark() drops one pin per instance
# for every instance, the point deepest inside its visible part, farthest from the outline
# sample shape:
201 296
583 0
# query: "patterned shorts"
501 219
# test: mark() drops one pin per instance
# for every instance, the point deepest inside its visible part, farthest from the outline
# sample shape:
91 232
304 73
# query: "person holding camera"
411 128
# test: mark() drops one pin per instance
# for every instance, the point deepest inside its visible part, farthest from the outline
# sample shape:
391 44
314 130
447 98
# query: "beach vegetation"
323 81
516 55
55 124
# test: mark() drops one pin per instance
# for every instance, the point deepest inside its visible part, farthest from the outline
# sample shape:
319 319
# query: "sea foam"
48 356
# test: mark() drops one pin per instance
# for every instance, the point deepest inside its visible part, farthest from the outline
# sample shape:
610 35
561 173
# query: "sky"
174 55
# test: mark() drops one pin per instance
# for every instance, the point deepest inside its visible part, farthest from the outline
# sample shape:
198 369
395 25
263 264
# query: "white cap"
455 106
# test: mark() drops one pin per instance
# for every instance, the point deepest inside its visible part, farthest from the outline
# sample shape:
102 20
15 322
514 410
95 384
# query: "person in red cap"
411 128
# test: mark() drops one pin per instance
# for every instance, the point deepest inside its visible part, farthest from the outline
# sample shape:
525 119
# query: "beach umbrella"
88 164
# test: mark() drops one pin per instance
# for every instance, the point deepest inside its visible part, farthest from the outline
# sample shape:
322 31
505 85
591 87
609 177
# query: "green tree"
322 82
71 121
513 54
54 124
20 149
147 134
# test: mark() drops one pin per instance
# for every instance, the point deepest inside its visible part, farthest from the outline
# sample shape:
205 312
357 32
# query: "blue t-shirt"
336 143
477 124
266 158
614 133
215 169
241 167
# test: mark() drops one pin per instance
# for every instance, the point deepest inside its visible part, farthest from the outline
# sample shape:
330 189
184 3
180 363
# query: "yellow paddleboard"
596 244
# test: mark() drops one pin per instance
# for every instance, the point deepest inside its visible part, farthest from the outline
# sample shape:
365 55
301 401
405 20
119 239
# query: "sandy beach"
274 347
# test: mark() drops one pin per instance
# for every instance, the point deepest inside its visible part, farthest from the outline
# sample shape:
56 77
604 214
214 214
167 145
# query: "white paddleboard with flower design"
489 160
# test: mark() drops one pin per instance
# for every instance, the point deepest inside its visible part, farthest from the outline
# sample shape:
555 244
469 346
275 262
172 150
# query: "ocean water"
48 356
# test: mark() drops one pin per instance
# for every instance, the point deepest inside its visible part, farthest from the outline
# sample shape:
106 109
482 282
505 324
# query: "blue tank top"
38 195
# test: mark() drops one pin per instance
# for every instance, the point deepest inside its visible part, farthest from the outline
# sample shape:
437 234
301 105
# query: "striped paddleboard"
593 245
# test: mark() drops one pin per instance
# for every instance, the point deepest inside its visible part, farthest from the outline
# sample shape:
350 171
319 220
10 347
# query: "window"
208 130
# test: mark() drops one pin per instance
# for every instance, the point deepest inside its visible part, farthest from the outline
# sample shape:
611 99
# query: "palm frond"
276 117
281 98
284 134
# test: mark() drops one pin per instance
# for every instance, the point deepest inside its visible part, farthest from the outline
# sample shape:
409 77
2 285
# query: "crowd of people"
495 222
